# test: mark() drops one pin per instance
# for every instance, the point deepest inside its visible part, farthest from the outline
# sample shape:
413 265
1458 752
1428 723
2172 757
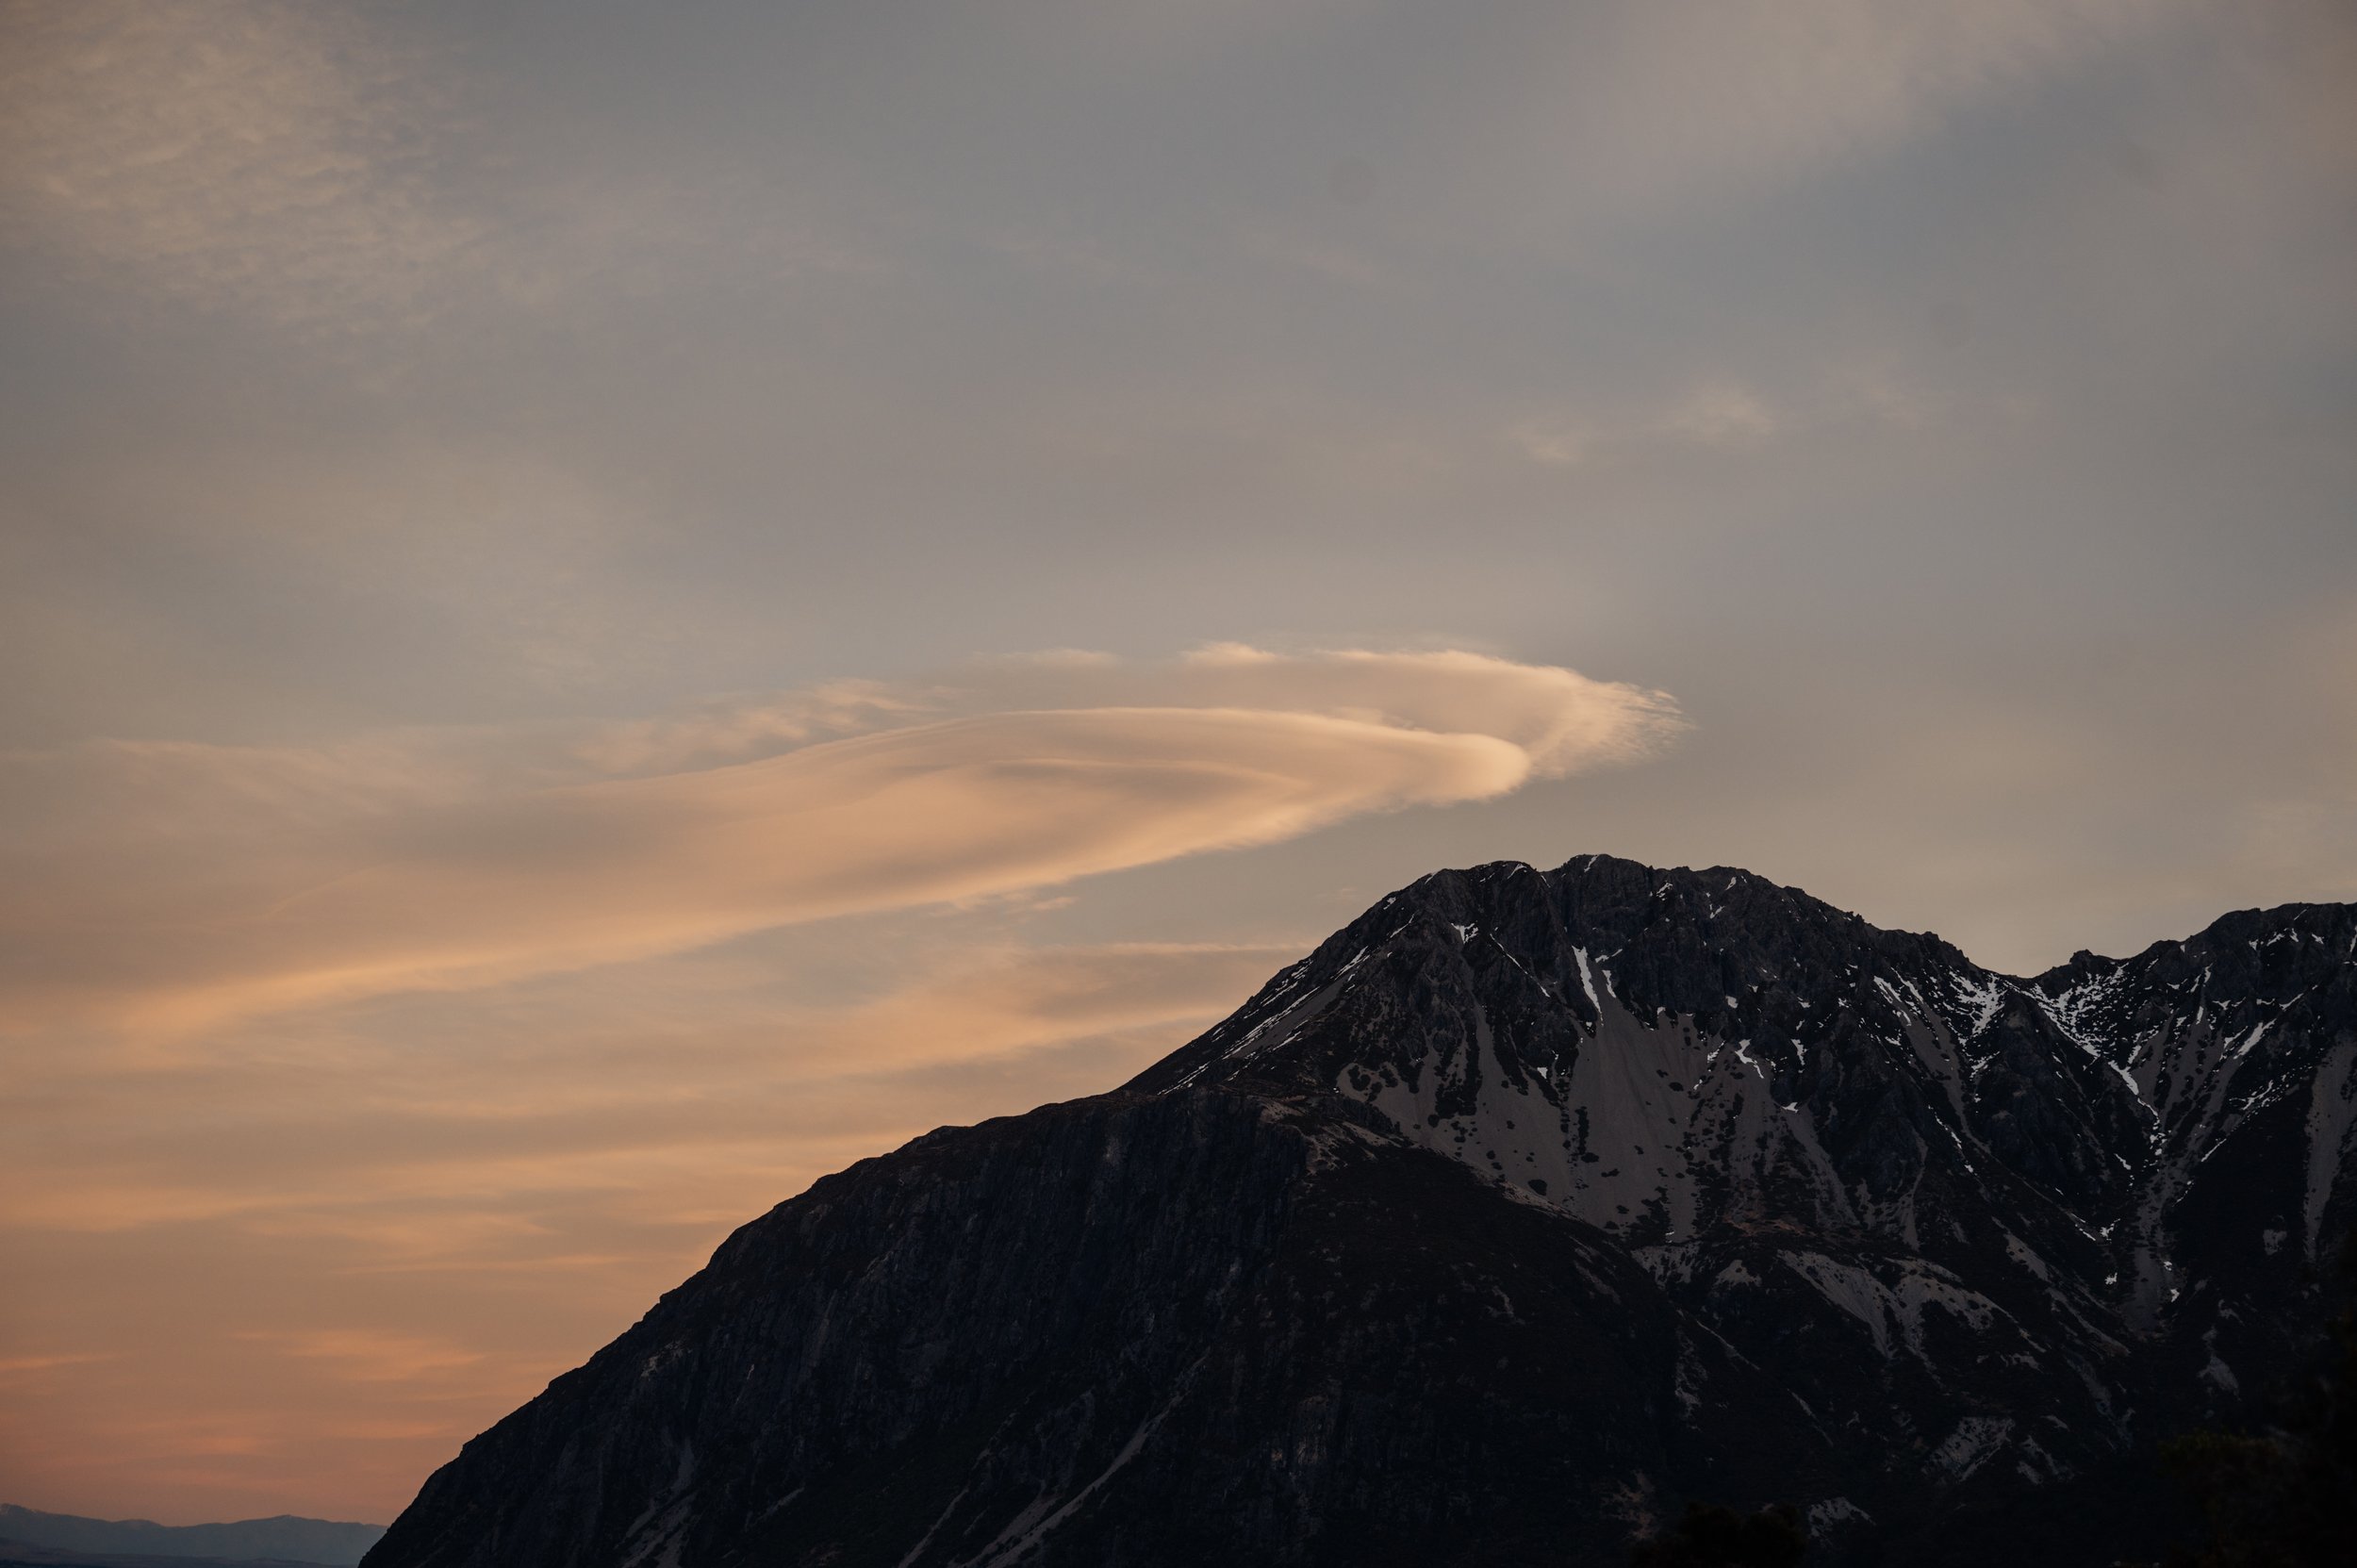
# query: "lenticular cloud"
263 879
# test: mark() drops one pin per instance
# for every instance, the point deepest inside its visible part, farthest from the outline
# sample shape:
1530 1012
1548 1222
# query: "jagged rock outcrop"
1526 1208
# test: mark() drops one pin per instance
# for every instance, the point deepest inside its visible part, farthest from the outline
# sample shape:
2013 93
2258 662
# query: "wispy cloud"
166 885
1668 102
316 166
274 154
413 1239
996 1004
374 1356
1722 413
17 1365
1726 415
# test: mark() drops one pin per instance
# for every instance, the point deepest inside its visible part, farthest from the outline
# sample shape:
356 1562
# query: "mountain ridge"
280 1538
1953 1246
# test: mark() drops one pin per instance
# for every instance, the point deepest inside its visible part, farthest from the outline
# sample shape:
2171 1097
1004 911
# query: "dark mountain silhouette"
27 1535
1524 1211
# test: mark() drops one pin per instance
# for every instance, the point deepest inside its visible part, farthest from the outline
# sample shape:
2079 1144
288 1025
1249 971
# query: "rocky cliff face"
1526 1208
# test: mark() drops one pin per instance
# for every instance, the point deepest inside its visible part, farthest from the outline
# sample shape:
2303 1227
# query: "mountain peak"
1525 1206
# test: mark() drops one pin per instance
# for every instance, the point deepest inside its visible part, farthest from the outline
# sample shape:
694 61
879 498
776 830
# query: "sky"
607 608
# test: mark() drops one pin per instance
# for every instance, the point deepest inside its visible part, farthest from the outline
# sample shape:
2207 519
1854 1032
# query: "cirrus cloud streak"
230 881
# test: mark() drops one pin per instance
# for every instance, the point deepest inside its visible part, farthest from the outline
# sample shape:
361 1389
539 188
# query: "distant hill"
16 1554
29 1536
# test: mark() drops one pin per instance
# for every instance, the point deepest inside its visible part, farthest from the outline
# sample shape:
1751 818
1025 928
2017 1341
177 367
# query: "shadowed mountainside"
1525 1209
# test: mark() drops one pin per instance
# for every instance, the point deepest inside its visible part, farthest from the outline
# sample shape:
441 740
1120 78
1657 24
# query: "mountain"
30 1536
1525 1209
18 1553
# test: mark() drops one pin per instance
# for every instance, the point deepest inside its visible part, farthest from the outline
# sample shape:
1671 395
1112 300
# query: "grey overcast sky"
608 607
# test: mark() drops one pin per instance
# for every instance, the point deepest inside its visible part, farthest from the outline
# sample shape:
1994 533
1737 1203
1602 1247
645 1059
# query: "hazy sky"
608 607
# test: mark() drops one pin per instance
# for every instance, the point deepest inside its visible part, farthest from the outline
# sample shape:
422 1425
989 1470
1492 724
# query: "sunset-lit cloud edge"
161 888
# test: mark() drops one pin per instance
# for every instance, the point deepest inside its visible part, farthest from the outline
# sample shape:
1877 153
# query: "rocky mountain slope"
1527 1207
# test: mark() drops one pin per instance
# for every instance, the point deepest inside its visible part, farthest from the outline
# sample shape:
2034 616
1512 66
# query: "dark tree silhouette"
2285 1497
1714 1537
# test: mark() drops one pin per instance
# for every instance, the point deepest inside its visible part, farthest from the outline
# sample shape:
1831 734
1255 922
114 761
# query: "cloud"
1669 101
166 885
317 166
368 1356
571 1092
1725 415
1002 1004
273 154
1718 415
729 731
13 1366
443 1200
